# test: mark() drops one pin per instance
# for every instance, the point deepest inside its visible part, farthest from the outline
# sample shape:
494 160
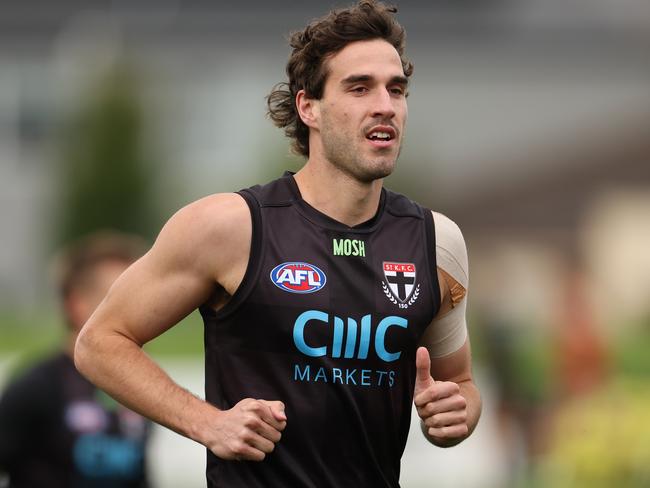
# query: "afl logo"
296 277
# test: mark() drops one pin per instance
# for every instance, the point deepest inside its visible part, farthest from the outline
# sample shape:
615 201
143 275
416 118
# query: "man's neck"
337 194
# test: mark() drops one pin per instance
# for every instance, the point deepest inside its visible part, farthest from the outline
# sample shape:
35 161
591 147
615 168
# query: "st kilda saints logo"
400 287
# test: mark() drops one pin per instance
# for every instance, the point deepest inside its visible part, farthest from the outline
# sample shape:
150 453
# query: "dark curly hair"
312 46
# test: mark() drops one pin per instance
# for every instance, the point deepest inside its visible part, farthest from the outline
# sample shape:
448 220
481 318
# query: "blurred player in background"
330 303
56 428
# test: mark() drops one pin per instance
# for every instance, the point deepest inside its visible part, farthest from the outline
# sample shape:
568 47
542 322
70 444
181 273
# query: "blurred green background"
529 125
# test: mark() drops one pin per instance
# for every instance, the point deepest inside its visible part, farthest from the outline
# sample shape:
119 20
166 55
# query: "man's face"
363 110
86 296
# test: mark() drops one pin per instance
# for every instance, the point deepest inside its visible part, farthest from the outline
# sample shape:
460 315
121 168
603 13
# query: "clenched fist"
439 404
249 430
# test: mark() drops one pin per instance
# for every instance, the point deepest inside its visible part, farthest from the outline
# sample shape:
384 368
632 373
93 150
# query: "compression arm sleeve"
447 333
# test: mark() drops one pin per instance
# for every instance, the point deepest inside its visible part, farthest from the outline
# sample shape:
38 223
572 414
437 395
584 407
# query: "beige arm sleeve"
447 333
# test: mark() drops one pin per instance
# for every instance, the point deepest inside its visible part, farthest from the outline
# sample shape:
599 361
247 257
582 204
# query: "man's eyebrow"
352 79
399 80
395 80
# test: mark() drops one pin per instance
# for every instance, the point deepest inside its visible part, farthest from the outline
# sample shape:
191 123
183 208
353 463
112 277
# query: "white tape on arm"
451 252
448 333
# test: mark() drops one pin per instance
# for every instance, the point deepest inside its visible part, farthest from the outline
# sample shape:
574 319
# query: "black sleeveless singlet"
327 319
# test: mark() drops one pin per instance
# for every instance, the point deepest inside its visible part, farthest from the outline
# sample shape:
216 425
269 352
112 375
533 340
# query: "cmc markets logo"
345 344
297 277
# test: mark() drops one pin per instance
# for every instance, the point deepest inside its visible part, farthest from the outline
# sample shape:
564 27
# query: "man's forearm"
474 405
119 366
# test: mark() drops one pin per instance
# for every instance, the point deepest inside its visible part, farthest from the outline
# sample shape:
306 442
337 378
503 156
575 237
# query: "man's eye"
397 91
360 89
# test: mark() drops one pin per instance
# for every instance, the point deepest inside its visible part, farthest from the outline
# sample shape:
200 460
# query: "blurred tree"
600 439
106 181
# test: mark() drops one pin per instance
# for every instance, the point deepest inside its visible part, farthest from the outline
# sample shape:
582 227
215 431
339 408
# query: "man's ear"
308 109
75 310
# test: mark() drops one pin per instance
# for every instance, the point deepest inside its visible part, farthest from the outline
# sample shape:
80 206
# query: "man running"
330 303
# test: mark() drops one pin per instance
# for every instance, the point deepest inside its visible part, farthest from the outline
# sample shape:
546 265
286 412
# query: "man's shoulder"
448 232
38 380
216 208
212 216
278 192
451 250
45 367
189 238
400 205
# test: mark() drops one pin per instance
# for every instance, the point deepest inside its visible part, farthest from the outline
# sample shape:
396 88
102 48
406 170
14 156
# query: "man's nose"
383 104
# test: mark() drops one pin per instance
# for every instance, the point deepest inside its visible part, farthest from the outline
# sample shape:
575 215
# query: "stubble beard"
344 153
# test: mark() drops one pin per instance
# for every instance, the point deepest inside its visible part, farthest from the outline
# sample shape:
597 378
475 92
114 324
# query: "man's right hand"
249 430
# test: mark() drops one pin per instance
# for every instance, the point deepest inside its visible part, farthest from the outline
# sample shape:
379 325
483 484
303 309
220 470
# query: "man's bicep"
198 254
162 287
456 367
149 298
447 332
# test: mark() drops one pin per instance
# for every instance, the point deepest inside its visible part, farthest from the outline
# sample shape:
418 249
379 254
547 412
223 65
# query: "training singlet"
57 430
327 319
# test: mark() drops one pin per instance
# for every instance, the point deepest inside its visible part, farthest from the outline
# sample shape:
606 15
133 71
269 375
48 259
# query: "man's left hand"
440 404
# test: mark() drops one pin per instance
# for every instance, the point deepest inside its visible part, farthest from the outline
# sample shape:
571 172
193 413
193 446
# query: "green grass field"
35 334
31 335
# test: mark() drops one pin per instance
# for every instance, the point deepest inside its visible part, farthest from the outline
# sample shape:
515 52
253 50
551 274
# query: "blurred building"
528 123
